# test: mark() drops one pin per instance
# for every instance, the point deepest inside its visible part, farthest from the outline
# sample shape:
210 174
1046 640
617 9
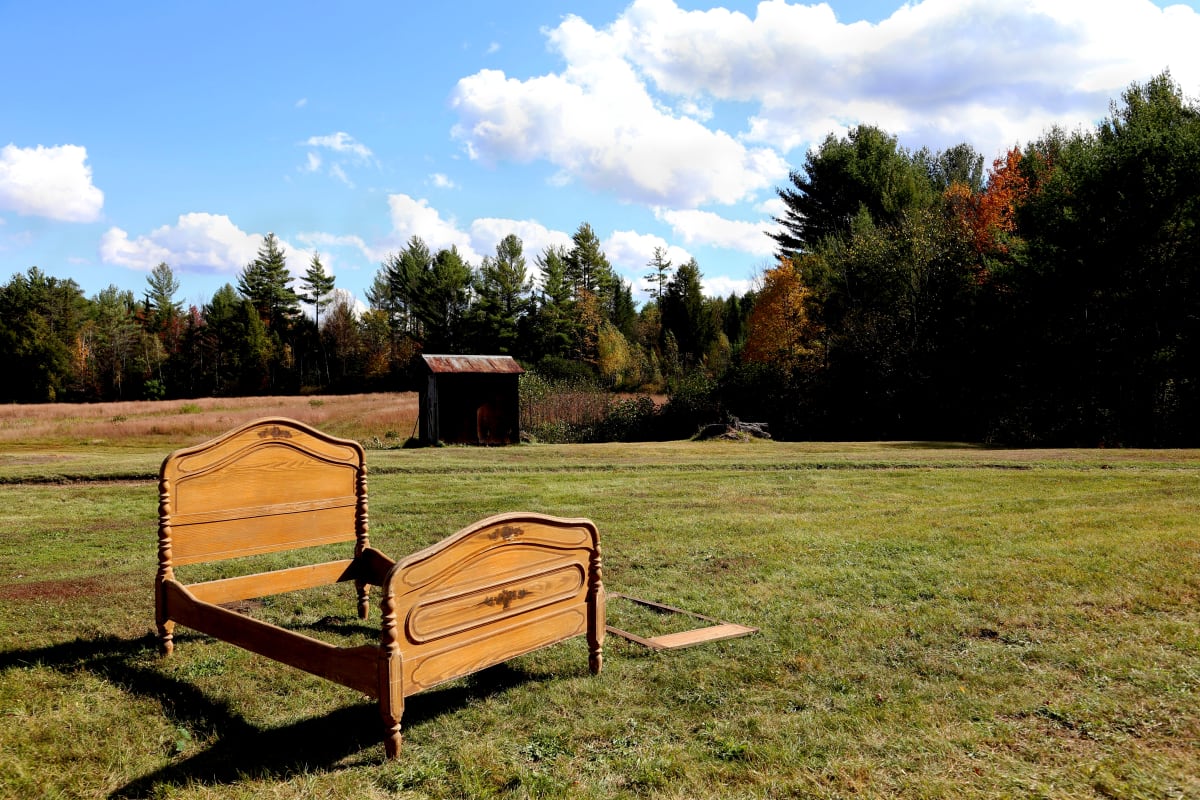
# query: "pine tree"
683 313
267 284
587 267
660 272
318 293
160 295
553 328
318 287
405 273
502 298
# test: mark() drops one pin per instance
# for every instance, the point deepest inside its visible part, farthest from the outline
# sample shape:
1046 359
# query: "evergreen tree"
160 296
318 288
553 329
622 311
659 274
236 343
406 275
867 171
594 285
267 284
734 321
40 320
587 268
165 319
960 164
502 299
684 316
444 301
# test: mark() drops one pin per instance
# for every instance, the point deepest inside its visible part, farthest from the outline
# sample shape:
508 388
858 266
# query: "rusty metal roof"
474 365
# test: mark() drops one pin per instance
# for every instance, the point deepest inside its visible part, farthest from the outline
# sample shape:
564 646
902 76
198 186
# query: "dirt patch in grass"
60 589
244 606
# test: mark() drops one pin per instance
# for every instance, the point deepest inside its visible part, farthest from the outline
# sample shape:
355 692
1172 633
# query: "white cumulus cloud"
937 72
707 228
52 182
629 252
686 108
724 285
487 232
197 242
415 217
598 124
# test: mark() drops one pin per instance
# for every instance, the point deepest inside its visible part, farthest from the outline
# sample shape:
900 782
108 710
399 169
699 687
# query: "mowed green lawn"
934 622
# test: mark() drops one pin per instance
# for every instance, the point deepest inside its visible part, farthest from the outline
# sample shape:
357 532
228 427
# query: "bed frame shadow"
240 749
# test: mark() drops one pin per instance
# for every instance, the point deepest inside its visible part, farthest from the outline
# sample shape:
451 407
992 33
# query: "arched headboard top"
272 484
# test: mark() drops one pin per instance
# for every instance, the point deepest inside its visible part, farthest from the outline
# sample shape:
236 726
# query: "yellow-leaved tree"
780 331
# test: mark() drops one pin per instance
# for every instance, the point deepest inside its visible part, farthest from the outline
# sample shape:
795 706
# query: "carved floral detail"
507 533
506 598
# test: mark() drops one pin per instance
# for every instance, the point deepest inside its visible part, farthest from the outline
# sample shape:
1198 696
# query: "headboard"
272 485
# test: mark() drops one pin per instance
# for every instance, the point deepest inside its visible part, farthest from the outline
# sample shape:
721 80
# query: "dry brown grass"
359 416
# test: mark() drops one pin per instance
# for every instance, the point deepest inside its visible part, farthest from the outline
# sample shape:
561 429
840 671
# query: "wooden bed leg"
166 637
596 617
166 571
364 599
391 742
362 541
391 674
391 703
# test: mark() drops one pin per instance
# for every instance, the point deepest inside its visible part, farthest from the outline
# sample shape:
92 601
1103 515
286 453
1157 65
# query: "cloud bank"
633 109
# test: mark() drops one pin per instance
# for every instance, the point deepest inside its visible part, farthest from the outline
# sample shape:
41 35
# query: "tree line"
578 320
1052 297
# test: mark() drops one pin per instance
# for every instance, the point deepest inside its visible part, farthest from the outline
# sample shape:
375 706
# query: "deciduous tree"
780 331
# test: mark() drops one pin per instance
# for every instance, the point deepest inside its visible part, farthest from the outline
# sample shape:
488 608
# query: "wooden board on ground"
714 632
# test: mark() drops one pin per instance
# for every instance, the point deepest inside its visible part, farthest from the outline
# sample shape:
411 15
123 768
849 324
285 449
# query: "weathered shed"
470 400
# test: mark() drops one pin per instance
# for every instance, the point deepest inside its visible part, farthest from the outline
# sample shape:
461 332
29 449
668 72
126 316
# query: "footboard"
504 586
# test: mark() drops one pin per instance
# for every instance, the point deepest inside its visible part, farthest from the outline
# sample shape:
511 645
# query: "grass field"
937 621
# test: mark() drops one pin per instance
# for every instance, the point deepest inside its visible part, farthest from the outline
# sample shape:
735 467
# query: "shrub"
562 410
635 419
154 389
692 402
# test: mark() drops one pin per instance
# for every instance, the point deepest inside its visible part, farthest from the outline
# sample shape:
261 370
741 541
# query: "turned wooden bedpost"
166 627
596 611
362 543
391 674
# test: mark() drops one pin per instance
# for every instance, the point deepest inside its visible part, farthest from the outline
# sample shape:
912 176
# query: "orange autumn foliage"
990 216
780 331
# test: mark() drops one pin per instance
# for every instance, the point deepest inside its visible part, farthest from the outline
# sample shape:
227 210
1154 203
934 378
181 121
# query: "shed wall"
466 408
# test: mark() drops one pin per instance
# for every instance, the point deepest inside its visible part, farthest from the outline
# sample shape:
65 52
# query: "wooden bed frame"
504 586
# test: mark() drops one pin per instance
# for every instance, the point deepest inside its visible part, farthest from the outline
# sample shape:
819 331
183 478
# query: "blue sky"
135 133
